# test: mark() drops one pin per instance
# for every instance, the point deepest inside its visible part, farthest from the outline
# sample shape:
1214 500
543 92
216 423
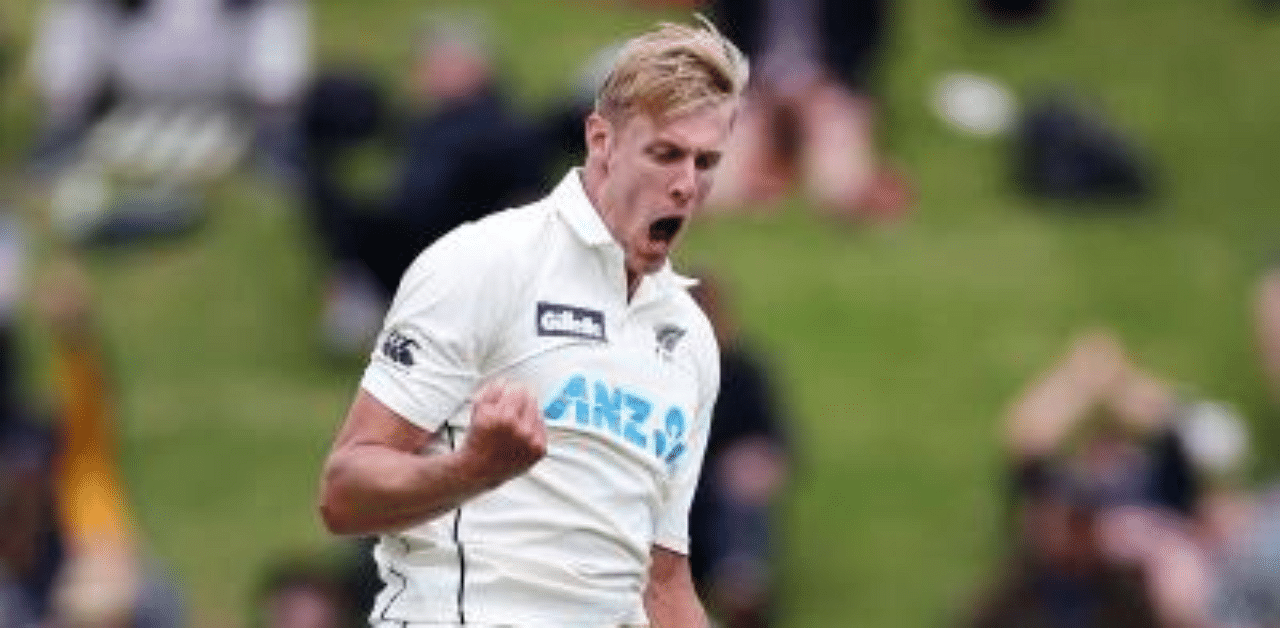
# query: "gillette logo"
555 319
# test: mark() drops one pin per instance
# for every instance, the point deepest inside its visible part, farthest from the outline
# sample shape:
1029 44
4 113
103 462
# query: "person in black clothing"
69 555
1059 574
745 470
29 544
1125 421
468 155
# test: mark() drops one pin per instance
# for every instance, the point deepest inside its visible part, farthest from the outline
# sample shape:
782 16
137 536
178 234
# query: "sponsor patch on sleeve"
400 348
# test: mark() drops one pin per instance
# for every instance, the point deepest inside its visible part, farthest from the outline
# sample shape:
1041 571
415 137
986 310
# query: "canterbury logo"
399 348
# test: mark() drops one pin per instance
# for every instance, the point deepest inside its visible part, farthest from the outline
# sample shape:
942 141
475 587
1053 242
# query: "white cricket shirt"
538 295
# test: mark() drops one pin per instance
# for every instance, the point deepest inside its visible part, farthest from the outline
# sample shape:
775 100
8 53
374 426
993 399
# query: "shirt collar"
571 201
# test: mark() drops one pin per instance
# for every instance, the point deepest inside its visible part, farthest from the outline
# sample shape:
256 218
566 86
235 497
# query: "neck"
633 282
592 183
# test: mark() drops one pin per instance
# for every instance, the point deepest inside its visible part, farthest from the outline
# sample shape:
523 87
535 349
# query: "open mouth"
665 229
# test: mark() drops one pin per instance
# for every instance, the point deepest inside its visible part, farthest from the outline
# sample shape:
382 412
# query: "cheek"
705 180
646 184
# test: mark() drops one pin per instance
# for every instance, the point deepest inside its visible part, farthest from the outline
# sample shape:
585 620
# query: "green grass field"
899 346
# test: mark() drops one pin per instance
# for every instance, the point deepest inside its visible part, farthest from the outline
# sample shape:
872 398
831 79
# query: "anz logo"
625 415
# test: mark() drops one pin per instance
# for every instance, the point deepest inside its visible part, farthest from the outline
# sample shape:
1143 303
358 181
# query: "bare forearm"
669 599
369 489
674 607
1044 415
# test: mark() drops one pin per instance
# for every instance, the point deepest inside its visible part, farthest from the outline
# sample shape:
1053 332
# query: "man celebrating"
529 431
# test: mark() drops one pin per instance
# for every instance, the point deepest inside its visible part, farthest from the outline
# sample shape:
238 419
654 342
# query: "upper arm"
446 318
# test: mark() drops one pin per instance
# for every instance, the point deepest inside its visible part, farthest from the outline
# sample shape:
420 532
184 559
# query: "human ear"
599 136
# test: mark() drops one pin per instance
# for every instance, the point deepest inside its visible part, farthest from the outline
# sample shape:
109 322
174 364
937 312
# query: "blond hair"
672 70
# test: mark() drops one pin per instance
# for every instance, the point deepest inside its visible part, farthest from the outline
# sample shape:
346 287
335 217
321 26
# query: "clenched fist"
507 435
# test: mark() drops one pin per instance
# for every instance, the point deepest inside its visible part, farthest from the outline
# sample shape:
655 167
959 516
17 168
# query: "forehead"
705 128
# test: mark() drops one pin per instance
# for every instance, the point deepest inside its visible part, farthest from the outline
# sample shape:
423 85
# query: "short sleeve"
428 357
673 523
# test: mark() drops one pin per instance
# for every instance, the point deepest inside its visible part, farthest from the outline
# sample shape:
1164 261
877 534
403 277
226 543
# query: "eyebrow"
663 146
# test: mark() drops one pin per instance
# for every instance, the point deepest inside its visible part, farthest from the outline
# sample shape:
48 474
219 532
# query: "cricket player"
528 434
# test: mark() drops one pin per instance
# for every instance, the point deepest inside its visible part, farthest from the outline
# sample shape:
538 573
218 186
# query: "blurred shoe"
78 202
57 148
146 215
890 196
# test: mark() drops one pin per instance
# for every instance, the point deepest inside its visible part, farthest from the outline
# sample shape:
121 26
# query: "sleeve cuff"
393 394
677 544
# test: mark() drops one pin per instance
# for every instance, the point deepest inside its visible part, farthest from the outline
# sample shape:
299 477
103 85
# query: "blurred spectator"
69 553
300 593
807 111
1123 419
747 464
1058 573
1218 567
1073 564
466 153
161 94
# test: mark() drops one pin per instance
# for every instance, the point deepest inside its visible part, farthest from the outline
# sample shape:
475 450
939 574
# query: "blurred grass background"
898 346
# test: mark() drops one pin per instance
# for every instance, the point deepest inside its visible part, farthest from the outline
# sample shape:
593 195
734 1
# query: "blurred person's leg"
341 112
838 153
755 168
275 66
740 580
69 64
843 162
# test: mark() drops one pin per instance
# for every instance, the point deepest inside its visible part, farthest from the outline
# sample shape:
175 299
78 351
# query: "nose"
684 182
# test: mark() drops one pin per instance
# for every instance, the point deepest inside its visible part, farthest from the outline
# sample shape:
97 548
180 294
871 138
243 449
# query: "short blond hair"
672 70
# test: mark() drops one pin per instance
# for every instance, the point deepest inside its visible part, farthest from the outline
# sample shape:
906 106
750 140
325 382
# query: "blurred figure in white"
167 91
